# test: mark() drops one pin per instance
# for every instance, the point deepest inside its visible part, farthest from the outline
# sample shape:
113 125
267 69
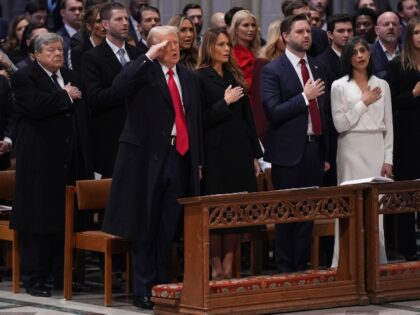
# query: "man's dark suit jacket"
144 143
79 44
331 66
380 61
8 117
142 47
320 42
50 138
132 30
99 68
66 38
287 112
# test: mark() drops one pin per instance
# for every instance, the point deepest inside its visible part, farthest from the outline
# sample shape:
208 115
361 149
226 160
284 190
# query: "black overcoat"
144 143
230 138
49 129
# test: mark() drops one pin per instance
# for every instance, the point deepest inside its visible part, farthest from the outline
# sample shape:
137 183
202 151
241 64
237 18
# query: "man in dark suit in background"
340 30
319 37
7 122
51 153
149 17
296 140
158 158
386 47
71 12
134 7
100 65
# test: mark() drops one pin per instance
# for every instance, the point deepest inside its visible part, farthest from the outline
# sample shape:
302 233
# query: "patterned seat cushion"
403 268
173 291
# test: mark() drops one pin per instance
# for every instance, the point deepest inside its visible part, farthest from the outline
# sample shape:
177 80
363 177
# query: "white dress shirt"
115 49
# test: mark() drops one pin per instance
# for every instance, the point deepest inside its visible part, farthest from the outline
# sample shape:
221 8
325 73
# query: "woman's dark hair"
206 54
347 54
408 52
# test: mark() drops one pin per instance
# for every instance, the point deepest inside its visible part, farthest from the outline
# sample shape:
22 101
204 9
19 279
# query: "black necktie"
55 79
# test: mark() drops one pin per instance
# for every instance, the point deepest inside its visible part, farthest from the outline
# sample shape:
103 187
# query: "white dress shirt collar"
115 49
70 30
295 60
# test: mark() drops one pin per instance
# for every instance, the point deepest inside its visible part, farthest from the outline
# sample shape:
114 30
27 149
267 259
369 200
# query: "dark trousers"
42 255
293 240
152 255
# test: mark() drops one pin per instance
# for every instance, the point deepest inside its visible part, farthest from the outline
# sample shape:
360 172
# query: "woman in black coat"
404 81
230 140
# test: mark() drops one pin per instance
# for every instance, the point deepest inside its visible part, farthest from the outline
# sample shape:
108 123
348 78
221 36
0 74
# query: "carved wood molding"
281 211
399 202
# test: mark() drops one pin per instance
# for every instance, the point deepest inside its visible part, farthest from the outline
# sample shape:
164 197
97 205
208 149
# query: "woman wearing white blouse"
362 114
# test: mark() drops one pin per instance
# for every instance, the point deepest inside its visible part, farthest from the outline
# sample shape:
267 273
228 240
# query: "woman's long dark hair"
408 52
206 54
347 54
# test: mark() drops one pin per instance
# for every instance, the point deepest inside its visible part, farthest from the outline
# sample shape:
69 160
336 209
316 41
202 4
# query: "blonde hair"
272 50
237 19
188 57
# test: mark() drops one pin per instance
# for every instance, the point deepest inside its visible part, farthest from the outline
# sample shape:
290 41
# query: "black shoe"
38 289
143 302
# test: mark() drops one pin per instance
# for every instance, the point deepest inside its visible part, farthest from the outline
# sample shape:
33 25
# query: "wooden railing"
203 214
396 281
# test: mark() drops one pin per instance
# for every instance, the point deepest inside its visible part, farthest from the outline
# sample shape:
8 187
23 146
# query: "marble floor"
91 304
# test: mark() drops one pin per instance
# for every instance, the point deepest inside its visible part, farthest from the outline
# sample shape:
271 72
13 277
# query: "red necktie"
313 107
182 144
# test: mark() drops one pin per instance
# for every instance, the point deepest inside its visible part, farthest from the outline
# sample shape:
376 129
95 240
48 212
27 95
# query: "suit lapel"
43 76
289 69
110 56
158 77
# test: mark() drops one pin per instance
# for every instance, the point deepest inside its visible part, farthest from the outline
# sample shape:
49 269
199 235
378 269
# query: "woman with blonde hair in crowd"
244 33
187 40
274 48
231 146
404 80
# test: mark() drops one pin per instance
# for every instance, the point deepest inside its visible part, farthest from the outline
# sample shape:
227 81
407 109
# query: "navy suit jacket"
66 38
380 61
287 112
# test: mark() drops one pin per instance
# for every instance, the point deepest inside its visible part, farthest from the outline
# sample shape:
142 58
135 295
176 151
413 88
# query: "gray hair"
160 30
45 39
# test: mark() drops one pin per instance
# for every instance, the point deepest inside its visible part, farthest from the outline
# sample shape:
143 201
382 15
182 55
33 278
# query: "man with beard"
148 18
100 66
296 142
320 6
386 47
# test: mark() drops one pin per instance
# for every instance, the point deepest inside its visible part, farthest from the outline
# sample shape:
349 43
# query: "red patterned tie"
182 144
313 107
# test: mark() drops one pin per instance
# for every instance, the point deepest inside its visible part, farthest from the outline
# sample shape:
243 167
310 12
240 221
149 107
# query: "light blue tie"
121 52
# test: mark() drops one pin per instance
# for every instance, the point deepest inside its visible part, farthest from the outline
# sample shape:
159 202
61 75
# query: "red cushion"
403 268
173 291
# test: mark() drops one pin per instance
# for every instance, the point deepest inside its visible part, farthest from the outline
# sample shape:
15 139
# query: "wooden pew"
395 281
275 293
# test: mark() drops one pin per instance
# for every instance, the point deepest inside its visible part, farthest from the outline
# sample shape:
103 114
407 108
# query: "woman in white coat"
362 114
